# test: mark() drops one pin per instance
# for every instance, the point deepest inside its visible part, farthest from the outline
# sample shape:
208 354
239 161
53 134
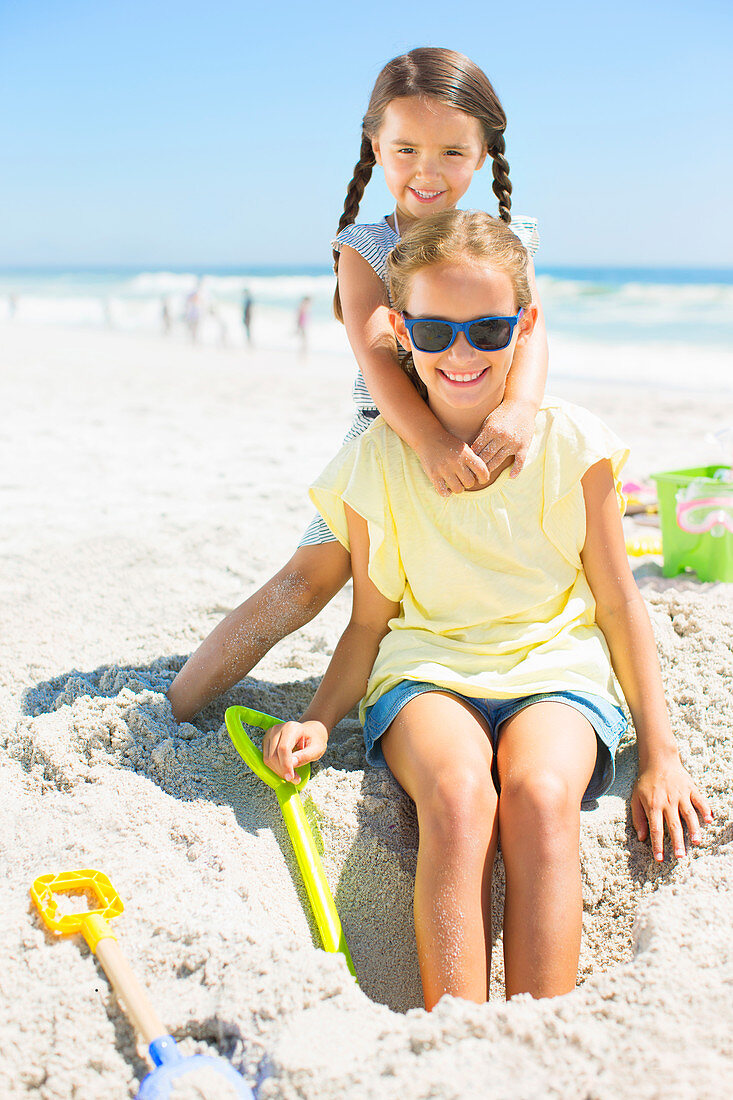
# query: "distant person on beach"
247 304
432 122
166 316
194 310
302 322
12 306
485 632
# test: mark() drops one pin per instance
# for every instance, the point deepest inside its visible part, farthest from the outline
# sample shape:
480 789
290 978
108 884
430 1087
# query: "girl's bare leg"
438 749
546 755
286 602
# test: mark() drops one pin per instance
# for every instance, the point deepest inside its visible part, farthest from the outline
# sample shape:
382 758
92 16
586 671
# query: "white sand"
145 488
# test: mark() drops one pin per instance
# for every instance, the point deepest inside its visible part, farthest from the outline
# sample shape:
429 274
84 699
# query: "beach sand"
146 487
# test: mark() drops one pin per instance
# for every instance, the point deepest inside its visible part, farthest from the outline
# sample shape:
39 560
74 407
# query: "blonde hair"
453 237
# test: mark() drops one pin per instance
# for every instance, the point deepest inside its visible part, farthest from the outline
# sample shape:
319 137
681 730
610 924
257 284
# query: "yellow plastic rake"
299 831
168 1062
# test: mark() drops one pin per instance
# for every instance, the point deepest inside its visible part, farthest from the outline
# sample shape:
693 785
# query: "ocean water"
680 309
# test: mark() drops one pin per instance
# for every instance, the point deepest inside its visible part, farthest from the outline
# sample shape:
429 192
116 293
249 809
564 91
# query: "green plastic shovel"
306 853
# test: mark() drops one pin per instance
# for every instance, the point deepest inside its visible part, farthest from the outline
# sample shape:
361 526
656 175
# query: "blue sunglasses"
485 333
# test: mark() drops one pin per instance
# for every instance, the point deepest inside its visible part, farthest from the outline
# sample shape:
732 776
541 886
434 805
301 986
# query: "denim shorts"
606 719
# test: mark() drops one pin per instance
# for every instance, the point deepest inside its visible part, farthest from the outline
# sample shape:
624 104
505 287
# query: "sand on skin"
146 487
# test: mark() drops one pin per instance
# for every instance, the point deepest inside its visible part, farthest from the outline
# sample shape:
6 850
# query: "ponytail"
502 185
354 195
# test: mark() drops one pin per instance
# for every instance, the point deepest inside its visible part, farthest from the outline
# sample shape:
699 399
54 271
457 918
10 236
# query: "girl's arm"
451 465
664 793
291 744
509 429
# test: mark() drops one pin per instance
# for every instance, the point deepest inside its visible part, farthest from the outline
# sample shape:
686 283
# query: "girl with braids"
486 629
432 121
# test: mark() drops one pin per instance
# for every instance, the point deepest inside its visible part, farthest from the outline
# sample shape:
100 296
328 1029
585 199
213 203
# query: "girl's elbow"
370 628
624 604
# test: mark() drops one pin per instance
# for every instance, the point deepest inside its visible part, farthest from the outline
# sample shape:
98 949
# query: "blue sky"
160 133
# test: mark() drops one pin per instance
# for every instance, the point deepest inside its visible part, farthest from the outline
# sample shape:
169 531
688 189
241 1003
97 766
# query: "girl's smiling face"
464 384
429 152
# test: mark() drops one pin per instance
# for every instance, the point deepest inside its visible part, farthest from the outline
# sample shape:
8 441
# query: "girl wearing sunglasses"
490 631
432 122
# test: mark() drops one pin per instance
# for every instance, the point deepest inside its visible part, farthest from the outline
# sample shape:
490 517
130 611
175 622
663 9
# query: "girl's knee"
459 806
314 575
542 801
306 588
298 587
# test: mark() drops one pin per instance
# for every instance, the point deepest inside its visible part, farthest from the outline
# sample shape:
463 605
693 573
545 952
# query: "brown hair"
454 237
453 79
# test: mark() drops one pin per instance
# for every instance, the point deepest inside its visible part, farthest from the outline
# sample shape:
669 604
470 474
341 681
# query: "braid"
502 185
354 194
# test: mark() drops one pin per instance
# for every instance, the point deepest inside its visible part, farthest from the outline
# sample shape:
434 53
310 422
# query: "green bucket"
708 552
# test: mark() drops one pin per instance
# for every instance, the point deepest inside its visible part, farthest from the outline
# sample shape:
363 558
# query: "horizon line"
194 267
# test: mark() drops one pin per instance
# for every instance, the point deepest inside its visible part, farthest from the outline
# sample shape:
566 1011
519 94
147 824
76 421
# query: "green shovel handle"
301 837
